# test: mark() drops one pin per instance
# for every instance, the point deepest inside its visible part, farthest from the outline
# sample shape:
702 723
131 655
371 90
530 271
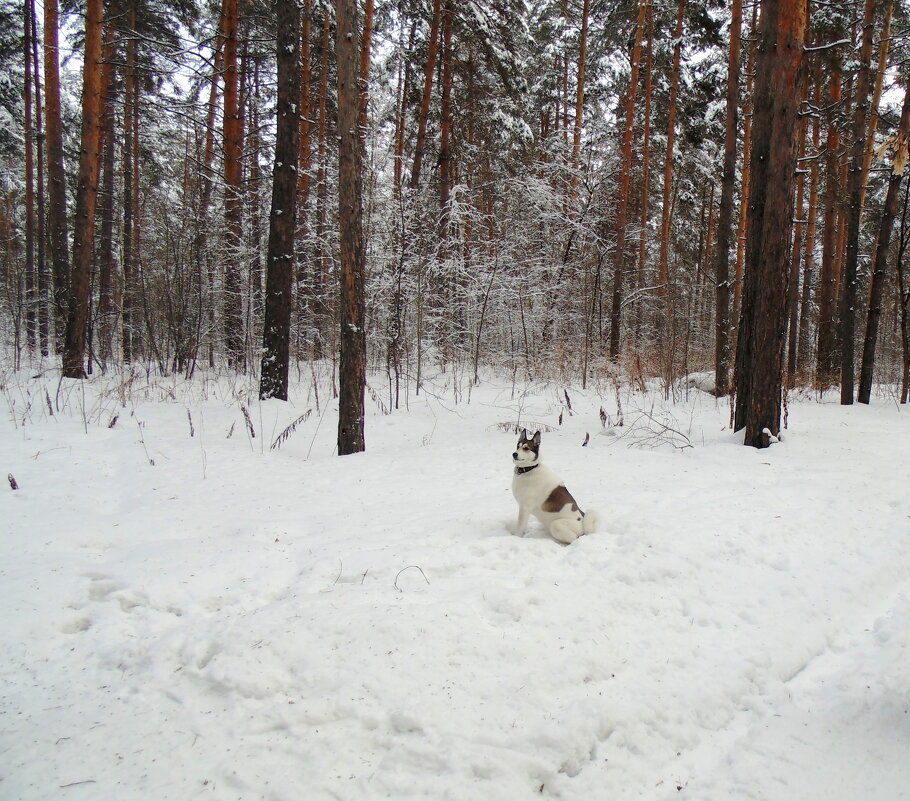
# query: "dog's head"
527 452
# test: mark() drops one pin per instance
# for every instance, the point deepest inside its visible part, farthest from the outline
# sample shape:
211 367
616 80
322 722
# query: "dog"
540 492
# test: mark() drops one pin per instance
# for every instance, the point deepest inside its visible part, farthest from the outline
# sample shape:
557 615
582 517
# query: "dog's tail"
589 521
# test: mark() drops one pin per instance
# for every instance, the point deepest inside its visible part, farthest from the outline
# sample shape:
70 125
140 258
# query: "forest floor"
188 613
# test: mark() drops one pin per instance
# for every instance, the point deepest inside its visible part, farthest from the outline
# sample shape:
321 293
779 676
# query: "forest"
671 238
571 189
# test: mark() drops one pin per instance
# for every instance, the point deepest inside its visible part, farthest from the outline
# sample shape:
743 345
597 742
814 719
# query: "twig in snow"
249 421
416 567
284 435
142 440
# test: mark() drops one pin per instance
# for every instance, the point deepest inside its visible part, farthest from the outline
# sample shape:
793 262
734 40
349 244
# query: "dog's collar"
522 470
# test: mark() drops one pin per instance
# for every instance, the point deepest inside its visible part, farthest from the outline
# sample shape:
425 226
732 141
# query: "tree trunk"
31 317
804 346
663 262
445 124
279 286
365 50
107 307
321 272
401 106
130 158
644 232
796 249
851 263
233 190
56 174
432 49
880 266
42 281
306 102
903 297
86 195
759 358
725 213
580 93
747 173
624 184
352 365
883 47
203 263
827 282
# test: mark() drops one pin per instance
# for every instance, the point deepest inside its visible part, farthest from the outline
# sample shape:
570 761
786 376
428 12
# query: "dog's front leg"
522 526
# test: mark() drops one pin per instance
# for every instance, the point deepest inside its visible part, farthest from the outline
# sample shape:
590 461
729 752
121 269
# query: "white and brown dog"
540 492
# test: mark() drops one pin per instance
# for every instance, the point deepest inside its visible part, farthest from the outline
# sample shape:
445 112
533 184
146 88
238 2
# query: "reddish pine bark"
56 174
86 195
429 68
624 184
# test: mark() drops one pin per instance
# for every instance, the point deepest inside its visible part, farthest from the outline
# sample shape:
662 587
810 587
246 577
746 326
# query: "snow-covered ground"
187 613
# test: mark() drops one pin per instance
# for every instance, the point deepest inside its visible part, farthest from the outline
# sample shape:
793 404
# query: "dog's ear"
524 435
536 439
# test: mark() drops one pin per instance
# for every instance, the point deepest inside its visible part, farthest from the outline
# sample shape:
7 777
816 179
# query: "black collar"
522 470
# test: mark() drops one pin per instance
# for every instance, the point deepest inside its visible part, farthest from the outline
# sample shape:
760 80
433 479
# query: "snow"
189 613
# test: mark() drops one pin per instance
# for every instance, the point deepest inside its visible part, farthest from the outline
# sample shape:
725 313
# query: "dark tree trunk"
31 317
86 195
321 292
306 101
445 124
129 319
352 367
56 212
279 285
107 308
203 263
233 191
826 349
796 250
725 213
880 266
903 296
848 296
759 358
41 273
